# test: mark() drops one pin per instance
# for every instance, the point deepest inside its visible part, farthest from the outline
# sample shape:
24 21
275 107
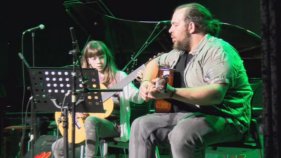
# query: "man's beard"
183 45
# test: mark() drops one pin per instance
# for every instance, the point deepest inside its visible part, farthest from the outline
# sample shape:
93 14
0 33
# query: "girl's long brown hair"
99 48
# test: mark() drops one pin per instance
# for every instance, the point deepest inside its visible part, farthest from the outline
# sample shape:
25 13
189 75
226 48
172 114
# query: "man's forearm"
151 71
204 95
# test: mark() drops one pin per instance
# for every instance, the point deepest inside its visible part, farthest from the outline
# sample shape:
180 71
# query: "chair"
252 140
115 147
124 147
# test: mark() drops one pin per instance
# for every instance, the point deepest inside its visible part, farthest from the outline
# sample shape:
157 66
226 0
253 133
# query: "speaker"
42 144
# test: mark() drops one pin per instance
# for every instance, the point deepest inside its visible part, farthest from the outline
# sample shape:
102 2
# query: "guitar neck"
122 83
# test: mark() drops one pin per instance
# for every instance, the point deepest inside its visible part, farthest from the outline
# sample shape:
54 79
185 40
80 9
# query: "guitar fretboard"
123 83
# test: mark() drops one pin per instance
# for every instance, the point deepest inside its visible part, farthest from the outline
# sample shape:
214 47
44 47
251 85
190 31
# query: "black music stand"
52 88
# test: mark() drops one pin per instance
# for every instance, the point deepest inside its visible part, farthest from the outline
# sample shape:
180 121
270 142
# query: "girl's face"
98 62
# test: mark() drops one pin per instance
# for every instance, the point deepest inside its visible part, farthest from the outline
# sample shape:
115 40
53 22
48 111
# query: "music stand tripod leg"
64 120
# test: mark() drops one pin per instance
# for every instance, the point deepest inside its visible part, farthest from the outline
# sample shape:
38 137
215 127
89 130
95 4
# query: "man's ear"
191 27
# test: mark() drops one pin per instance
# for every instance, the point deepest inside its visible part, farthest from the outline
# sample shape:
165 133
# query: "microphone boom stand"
33 130
74 92
72 108
73 100
65 116
149 40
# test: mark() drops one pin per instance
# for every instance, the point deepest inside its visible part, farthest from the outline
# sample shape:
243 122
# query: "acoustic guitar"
108 106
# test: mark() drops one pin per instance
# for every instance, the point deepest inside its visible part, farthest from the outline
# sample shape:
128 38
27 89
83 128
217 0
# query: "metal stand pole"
33 131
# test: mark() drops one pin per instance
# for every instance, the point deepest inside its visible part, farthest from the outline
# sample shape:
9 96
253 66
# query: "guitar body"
80 134
161 105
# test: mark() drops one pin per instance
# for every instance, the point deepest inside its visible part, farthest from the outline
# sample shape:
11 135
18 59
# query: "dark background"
54 42
125 34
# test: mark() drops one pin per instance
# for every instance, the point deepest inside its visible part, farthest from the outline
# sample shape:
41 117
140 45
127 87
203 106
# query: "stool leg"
125 153
82 151
157 155
103 148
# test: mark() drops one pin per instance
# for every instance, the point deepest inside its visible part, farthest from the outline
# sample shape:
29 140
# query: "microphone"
73 35
39 27
74 39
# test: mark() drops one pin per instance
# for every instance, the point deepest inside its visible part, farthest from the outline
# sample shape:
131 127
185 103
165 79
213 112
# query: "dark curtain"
271 75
